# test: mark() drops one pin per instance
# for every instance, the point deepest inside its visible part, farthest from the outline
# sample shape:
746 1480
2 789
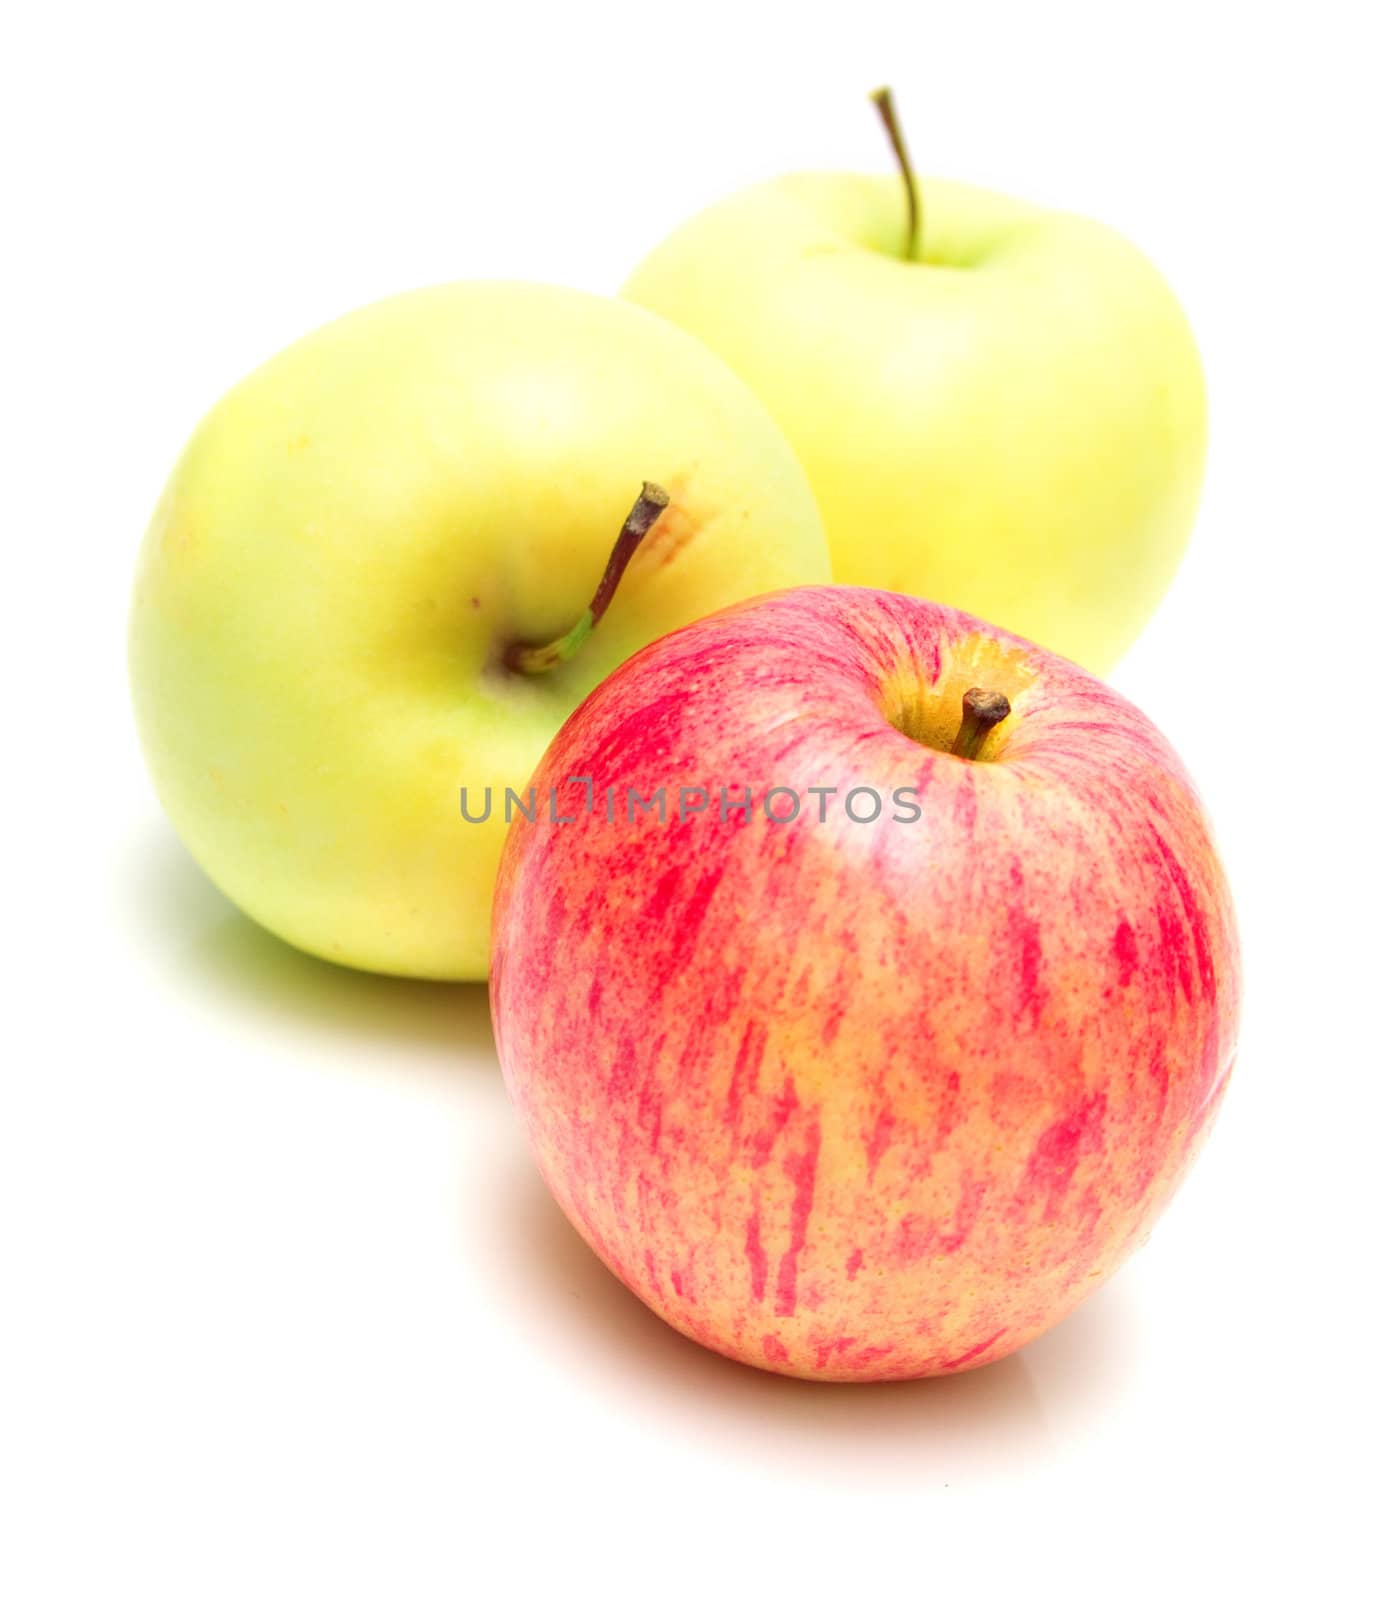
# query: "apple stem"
532 659
983 710
887 110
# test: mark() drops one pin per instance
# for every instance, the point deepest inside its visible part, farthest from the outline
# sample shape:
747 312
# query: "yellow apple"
352 543
1013 422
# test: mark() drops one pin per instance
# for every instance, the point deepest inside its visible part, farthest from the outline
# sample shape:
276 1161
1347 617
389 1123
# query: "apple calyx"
533 659
887 110
983 710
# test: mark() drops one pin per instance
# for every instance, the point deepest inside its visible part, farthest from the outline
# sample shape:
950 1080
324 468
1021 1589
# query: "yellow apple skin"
353 535
1014 425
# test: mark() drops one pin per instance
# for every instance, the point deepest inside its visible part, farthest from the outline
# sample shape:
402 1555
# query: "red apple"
862 1099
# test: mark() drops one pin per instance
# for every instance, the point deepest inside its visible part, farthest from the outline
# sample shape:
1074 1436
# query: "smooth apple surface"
350 541
857 1099
1014 423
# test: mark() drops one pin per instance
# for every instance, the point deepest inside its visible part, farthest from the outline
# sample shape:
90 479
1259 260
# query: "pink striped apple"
846 1098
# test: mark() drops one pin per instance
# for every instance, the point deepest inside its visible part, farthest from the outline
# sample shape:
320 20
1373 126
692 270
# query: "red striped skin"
860 1102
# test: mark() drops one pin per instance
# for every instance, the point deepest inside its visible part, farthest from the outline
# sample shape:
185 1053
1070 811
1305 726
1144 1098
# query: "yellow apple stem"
532 659
887 110
983 710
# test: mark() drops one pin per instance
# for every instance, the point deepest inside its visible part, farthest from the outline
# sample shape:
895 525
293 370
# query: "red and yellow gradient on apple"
864 1101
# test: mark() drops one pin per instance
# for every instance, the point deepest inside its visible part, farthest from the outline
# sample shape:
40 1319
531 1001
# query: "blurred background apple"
999 406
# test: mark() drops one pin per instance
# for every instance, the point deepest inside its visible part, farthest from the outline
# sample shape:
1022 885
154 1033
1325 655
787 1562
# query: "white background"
285 1310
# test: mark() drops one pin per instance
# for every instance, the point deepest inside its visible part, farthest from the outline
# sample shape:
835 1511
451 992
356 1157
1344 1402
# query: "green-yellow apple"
1007 416
881 1076
354 541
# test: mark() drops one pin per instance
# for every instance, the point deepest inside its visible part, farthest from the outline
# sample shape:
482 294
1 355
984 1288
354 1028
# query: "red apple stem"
532 659
887 110
983 710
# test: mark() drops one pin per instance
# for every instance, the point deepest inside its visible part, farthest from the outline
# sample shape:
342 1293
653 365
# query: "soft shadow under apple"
176 909
1000 1418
